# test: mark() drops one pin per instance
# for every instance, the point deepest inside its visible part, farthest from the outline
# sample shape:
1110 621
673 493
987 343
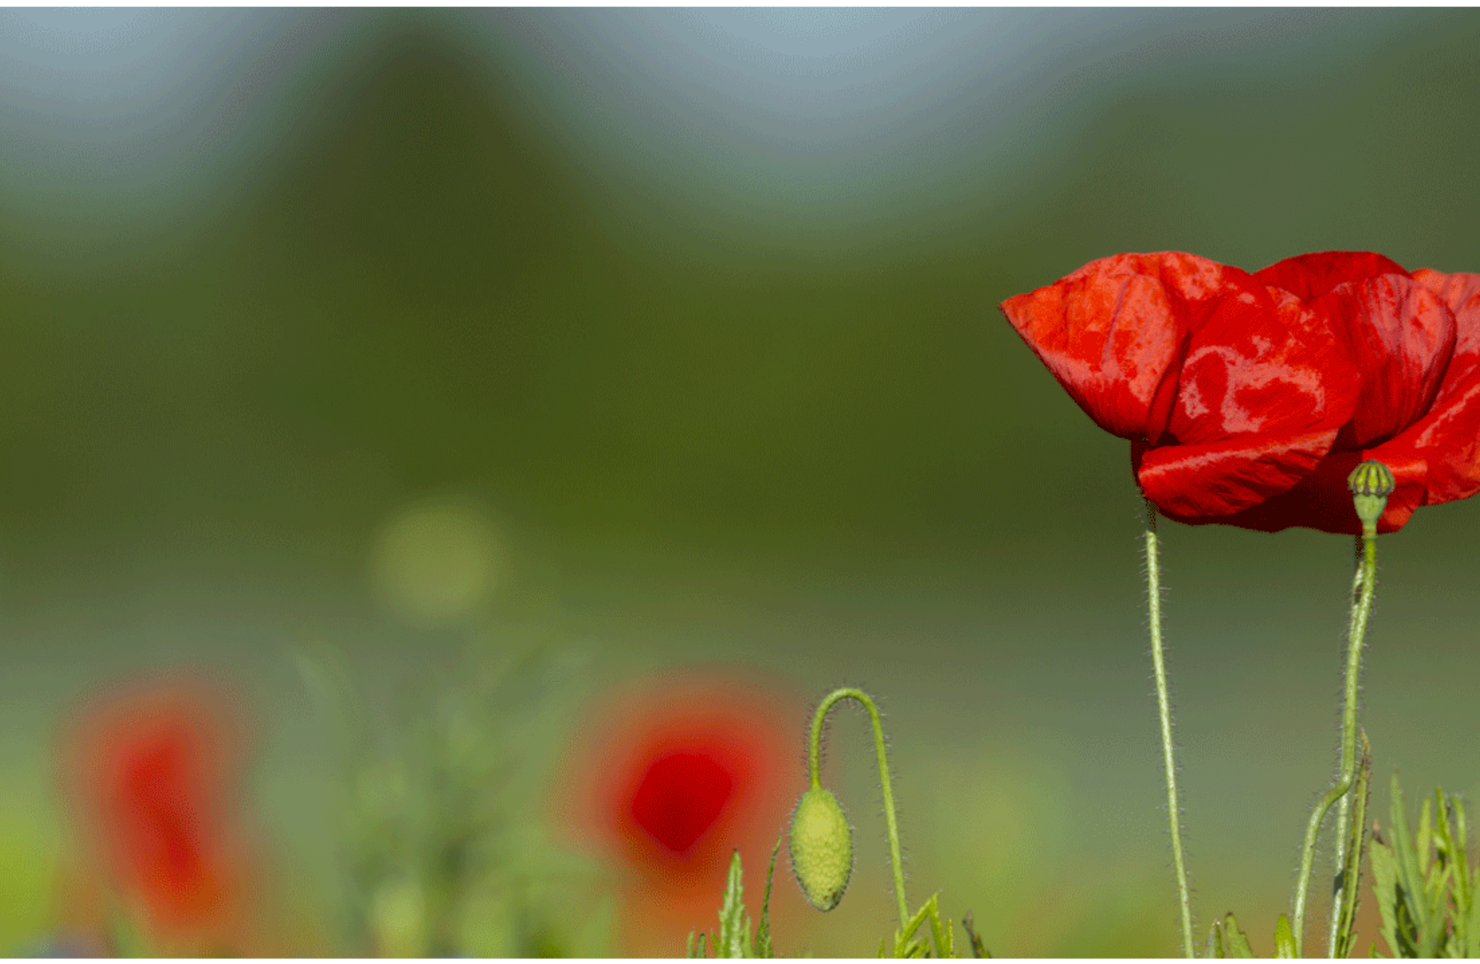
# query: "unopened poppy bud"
821 848
1371 484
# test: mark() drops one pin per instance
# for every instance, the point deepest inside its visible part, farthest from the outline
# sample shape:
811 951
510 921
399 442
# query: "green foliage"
441 848
978 949
1425 886
1284 938
1228 940
906 944
733 937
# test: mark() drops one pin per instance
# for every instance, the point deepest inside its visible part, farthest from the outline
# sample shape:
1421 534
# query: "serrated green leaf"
941 933
733 939
1433 889
1424 841
1464 882
1389 898
1470 944
1412 932
763 946
906 944
1284 937
1235 941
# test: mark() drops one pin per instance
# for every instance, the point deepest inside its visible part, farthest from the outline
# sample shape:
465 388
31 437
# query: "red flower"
671 779
151 772
1249 398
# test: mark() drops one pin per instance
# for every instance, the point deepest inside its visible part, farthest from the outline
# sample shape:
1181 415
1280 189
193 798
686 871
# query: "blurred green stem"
814 771
1361 609
1164 707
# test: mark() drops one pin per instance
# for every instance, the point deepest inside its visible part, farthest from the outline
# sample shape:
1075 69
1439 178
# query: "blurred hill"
422 294
419 286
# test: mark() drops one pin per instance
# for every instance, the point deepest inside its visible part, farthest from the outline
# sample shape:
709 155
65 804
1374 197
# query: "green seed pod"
1371 484
821 848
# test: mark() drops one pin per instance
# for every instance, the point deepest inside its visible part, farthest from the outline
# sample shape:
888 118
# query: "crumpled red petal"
1218 479
1309 276
1114 331
1447 437
1321 500
1262 364
1249 399
1401 336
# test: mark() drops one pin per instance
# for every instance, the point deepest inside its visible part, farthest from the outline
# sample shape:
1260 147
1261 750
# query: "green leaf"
1470 944
978 948
763 946
1464 932
1232 941
904 943
1390 902
945 940
1284 938
733 939
1425 887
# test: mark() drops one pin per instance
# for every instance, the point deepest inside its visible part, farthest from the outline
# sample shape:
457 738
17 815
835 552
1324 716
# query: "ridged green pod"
1371 483
821 848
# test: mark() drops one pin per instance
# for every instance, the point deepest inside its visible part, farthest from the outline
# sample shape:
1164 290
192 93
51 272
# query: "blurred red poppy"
152 773
1248 398
671 778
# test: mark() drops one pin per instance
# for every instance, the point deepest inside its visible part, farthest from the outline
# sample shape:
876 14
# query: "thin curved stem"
1164 709
1361 610
814 771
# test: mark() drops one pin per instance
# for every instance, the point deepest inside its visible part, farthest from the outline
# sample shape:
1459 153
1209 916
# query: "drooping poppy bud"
821 848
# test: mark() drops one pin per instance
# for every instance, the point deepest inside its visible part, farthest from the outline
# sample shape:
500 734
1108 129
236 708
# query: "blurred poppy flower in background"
672 776
152 773
1249 398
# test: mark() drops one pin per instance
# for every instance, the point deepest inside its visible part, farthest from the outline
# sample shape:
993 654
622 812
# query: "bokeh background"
351 357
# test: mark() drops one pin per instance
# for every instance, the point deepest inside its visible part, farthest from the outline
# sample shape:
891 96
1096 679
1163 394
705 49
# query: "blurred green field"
413 352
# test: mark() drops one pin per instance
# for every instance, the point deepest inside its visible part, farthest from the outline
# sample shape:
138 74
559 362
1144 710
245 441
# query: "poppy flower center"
680 798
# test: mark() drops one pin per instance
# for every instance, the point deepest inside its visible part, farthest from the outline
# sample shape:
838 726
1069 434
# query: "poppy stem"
1361 610
1343 808
1371 482
1164 709
814 771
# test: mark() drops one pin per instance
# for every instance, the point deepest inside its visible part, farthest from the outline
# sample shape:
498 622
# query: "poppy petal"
1447 438
1401 336
1114 331
1189 482
1263 363
1309 276
1321 500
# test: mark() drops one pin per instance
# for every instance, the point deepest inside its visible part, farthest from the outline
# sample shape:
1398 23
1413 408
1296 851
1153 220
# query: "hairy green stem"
1343 808
1164 709
814 770
1361 609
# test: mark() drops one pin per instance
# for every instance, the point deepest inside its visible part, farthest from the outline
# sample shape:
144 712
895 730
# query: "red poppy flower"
151 772
1248 398
671 778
